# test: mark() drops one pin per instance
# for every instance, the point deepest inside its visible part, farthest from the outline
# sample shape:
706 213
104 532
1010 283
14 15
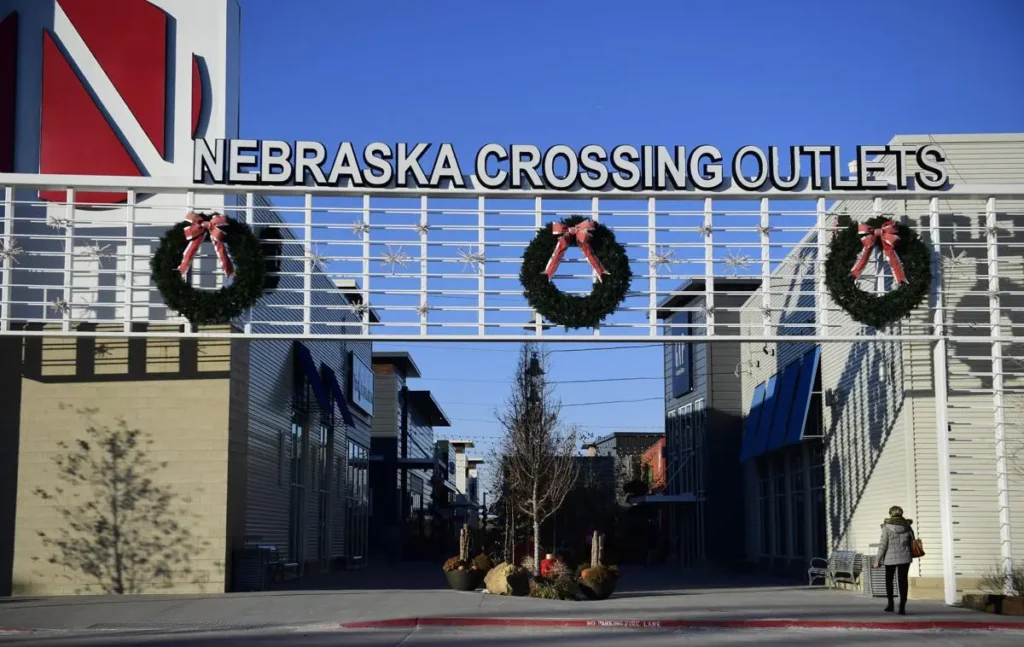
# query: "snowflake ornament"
395 258
764 230
94 250
10 252
956 260
423 308
705 230
60 306
472 260
736 262
422 228
359 309
360 228
58 222
316 257
661 258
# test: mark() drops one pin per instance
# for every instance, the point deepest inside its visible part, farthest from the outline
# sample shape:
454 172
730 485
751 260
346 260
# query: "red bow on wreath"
888 237
566 235
197 232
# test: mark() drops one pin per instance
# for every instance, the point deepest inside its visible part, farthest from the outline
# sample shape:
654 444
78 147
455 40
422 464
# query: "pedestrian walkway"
644 597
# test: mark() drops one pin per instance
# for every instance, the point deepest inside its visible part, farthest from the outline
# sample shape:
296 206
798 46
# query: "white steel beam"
941 372
423 226
822 240
8 260
652 281
998 397
307 275
129 261
709 269
766 268
69 261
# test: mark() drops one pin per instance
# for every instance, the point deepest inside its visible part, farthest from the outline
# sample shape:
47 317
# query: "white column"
8 261
821 291
709 269
766 270
998 400
481 237
595 215
129 255
941 368
652 281
424 264
307 273
249 220
69 260
366 266
538 222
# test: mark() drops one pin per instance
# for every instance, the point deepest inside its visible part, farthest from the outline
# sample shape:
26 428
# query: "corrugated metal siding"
972 159
385 405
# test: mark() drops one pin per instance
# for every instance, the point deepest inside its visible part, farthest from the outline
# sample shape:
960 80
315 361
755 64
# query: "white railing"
437 263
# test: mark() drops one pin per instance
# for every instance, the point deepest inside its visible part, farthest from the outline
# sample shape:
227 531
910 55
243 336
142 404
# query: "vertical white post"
307 275
481 237
249 220
998 396
652 281
69 260
941 368
423 265
821 247
876 210
129 259
538 222
766 269
595 215
366 265
709 269
190 205
8 261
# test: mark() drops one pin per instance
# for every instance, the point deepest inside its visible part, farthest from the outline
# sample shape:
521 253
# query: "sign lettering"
563 168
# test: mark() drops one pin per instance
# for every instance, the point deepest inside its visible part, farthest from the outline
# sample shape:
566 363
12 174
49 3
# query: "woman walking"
894 552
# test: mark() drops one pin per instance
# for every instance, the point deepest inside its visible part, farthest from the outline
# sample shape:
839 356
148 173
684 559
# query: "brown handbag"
916 548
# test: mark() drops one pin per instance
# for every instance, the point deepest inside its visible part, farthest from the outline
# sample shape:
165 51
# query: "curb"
552 623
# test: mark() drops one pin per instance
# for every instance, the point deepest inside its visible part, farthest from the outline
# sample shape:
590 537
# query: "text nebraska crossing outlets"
593 167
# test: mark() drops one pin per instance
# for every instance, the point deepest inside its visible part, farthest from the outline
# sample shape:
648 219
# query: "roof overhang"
694 289
417 463
400 359
425 403
664 498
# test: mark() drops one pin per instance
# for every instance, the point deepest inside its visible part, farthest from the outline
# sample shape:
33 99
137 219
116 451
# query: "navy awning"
339 396
308 366
783 406
753 417
802 396
764 424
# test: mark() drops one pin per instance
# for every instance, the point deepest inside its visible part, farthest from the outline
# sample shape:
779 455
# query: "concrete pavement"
644 595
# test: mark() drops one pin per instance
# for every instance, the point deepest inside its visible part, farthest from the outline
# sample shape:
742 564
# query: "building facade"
872 436
703 423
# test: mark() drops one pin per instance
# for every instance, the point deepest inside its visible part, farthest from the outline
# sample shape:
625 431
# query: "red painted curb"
550 623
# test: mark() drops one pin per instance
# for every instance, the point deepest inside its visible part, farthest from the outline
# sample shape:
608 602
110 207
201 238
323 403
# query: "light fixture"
830 398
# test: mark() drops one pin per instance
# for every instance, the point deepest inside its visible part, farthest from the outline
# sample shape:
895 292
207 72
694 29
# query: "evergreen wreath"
211 306
876 310
570 310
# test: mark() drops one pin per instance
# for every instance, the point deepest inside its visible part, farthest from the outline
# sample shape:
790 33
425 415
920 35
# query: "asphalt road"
331 637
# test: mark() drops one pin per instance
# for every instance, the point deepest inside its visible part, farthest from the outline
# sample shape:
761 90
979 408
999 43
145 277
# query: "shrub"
597 575
454 564
483 563
528 563
993 581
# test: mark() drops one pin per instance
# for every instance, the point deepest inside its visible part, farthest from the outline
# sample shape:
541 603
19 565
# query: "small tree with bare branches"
536 455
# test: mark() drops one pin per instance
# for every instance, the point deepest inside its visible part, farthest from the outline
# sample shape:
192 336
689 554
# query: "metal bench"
842 567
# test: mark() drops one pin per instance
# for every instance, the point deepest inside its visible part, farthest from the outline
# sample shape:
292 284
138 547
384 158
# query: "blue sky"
665 72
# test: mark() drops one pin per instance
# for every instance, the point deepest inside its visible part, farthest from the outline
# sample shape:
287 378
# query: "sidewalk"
643 596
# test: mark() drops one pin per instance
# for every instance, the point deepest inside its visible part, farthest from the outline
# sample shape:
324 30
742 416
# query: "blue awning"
750 429
764 425
308 365
802 396
339 396
783 406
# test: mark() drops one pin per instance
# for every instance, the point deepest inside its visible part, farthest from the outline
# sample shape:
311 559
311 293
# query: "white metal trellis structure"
409 264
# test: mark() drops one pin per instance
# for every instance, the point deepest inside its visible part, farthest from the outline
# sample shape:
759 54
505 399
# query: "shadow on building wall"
119 531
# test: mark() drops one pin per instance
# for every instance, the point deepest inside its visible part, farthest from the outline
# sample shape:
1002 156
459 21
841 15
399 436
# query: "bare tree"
120 528
537 453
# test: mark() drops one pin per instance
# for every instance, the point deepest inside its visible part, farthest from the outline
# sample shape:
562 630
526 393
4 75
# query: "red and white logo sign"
107 92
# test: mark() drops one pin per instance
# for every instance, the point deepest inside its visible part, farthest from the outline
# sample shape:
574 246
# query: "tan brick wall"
185 414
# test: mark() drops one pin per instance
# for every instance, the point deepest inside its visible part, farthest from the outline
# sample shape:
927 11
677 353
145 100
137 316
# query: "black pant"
901 571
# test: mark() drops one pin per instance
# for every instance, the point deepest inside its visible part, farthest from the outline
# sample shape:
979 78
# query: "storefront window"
782 528
765 507
799 503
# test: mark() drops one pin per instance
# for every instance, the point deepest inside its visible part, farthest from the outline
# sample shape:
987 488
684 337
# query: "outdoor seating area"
841 567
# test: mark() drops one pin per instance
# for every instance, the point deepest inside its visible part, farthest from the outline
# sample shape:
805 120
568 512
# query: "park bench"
842 567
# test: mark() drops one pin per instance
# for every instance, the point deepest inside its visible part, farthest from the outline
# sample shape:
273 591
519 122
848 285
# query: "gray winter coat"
894 545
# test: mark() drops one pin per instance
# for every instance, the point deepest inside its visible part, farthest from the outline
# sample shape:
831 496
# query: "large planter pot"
997 604
597 590
468 580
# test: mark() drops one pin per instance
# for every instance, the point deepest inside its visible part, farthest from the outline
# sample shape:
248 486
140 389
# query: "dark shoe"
903 611
889 609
